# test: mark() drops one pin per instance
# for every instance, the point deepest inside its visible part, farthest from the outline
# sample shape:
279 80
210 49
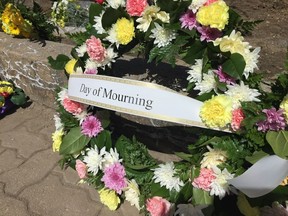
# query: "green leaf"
279 142
196 51
108 20
94 10
185 193
73 142
257 155
59 63
157 190
102 140
245 207
19 99
234 66
104 116
184 156
2 99
202 197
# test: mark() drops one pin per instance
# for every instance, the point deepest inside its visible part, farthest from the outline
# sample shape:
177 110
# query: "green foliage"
201 197
18 98
103 139
135 155
73 142
78 37
195 51
279 142
257 155
58 63
94 10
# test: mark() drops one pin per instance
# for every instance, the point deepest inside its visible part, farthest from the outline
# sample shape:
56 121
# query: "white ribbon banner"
263 177
136 98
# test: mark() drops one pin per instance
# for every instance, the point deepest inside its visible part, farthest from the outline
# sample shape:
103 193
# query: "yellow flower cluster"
13 23
6 88
217 112
109 198
125 31
215 15
69 67
57 140
284 106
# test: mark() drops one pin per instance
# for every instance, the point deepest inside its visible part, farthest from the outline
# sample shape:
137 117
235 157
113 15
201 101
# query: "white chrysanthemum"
151 13
213 157
94 159
112 35
90 64
241 93
62 94
189 210
81 50
98 23
164 175
220 186
196 4
58 123
251 59
110 57
195 72
208 83
132 193
110 158
162 36
116 3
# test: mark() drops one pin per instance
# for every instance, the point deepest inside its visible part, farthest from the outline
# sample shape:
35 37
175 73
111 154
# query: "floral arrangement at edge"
10 97
207 35
21 21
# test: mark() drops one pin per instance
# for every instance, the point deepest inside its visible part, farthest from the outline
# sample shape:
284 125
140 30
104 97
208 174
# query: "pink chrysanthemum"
204 180
223 77
188 20
114 177
135 7
95 49
91 126
237 118
208 34
72 106
274 121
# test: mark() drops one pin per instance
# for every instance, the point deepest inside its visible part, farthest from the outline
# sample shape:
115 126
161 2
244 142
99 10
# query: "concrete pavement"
31 182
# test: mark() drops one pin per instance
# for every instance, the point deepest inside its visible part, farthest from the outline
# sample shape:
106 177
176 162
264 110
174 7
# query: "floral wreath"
207 35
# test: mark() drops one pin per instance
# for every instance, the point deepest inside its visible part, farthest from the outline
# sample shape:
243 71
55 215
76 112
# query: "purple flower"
274 120
114 177
91 126
188 20
208 34
7 106
223 77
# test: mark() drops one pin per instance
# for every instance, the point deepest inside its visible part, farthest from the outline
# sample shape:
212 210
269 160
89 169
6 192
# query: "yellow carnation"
217 112
284 106
6 87
125 30
57 140
109 198
214 15
69 67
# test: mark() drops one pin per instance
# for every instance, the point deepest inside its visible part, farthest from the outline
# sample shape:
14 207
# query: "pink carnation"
91 126
72 106
81 169
157 206
208 2
135 7
114 177
95 49
204 180
237 118
99 1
